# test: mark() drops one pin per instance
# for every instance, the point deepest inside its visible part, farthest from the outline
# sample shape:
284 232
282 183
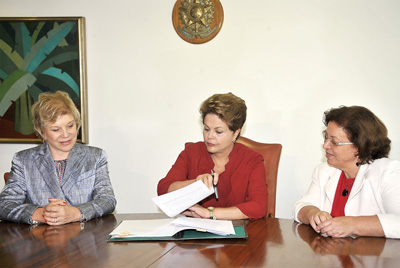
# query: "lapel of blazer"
359 181
74 167
45 164
331 185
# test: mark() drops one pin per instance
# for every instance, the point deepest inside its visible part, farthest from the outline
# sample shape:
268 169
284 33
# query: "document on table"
145 228
219 227
177 201
169 227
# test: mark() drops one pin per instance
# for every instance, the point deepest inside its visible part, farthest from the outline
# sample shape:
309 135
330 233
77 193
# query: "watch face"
211 211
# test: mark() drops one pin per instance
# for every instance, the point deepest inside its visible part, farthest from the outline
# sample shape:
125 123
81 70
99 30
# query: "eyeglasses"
333 140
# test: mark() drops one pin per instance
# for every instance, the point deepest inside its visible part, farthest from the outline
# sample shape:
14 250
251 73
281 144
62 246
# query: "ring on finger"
55 220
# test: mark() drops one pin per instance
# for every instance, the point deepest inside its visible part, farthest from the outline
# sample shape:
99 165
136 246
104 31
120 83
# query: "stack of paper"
206 225
173 204
169 227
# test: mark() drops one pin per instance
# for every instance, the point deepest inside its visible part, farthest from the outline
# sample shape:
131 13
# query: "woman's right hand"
313 216
208 179
316 217
59 212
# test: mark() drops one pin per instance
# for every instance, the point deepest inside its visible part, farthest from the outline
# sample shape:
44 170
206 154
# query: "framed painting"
41 54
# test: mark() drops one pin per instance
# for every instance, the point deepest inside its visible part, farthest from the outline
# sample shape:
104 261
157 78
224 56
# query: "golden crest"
196 17
197 21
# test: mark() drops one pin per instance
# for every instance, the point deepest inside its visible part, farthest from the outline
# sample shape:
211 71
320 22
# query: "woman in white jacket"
357 192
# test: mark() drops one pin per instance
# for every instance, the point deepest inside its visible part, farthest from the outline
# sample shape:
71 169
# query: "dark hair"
229 108
364 129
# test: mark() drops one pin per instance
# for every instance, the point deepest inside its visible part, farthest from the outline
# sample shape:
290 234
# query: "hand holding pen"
214 185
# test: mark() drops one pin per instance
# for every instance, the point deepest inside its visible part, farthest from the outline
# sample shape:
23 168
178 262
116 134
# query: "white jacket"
376 191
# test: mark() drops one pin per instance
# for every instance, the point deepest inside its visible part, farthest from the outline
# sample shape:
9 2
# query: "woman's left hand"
197 211
58 212
338 227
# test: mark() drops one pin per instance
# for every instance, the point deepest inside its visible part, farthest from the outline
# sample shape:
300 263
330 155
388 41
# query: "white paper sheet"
219 227
145 228
169 227
177 201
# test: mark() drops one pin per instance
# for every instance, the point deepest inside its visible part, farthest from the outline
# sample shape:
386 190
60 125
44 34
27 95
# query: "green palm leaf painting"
35 56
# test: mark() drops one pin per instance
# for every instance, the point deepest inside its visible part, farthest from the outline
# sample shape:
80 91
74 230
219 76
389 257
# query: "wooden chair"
6 176
272 154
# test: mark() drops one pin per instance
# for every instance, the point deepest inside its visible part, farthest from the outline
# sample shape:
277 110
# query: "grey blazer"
33 179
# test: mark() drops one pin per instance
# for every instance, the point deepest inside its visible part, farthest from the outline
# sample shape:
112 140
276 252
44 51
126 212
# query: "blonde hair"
49 107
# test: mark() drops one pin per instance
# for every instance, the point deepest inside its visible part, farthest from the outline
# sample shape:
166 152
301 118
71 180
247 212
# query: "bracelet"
32 222
83 219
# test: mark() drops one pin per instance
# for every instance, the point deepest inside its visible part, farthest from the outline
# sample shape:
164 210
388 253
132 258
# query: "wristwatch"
211 211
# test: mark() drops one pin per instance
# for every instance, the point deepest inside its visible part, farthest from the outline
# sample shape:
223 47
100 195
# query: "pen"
214 186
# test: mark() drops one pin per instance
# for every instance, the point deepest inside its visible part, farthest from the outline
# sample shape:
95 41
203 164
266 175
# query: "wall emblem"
197 21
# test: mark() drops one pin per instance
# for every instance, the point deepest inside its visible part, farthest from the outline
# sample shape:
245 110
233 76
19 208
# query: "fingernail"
43 216
65 202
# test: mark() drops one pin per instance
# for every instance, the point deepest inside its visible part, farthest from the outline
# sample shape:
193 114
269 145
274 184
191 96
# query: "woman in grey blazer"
59 181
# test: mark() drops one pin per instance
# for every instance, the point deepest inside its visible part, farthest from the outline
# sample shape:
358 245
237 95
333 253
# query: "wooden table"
272 243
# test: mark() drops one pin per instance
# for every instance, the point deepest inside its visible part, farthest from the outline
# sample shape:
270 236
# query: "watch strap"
211 212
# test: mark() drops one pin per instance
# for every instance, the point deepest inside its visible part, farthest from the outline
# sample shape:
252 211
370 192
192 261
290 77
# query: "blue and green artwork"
35 56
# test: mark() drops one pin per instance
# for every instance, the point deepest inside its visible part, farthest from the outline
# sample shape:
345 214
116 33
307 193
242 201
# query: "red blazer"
242 184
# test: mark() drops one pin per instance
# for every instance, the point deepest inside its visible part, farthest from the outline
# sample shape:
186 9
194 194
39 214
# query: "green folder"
240 233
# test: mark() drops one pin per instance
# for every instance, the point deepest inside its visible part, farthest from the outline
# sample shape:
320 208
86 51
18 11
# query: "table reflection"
227 252
24 244
351 252
57 236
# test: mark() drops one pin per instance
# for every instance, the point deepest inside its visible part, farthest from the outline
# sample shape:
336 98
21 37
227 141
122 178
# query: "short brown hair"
364 129
49 107
229 108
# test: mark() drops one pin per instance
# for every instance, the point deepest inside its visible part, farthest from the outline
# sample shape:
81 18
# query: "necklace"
60 168
346 191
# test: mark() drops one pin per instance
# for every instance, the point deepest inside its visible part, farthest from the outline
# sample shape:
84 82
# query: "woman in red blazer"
237 170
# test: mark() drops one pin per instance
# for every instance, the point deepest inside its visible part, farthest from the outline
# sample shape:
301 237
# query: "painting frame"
53 58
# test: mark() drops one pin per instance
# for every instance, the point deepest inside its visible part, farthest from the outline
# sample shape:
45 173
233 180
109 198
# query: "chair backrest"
6 176
272 154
